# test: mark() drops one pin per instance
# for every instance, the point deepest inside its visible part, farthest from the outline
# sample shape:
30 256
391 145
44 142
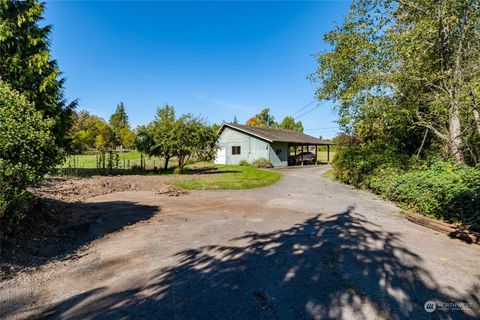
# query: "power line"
318 105
320 131
325 128
305 106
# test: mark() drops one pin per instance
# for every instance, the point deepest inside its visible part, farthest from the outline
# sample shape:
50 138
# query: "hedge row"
439 189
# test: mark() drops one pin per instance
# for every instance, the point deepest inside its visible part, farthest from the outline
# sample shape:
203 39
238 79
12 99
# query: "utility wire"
302 108
318 105
325 128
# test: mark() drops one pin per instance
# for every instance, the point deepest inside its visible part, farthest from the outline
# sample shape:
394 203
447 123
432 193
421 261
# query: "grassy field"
322 156
221 177
127 159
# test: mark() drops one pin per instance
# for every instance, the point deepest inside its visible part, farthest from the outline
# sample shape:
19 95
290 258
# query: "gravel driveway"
305 248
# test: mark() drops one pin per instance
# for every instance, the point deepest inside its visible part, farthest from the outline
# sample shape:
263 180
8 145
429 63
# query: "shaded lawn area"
222 177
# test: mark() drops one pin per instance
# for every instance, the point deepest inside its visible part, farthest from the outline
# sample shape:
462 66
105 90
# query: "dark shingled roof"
276 135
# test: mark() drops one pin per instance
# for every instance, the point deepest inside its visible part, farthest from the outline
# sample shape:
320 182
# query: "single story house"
239 142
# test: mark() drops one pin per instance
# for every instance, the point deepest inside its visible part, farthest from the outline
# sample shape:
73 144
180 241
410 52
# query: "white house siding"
251 148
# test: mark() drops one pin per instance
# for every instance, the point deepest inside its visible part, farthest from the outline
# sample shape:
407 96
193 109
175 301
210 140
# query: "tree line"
406 75
92 132
405 79
265 119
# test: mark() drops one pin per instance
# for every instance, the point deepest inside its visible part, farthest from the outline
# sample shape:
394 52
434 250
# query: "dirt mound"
80 189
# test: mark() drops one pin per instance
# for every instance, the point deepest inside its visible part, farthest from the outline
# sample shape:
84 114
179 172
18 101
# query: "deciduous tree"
185 138
405 72
265 118
254 122
196 140
157 139
289 123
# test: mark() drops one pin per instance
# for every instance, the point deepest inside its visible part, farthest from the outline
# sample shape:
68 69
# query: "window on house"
278 152
235 150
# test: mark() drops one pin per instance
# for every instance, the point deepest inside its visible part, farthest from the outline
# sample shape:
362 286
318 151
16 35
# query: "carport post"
316 154
328 153
302 154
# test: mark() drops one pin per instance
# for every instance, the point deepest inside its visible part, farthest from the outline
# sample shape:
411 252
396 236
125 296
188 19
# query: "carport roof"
276 135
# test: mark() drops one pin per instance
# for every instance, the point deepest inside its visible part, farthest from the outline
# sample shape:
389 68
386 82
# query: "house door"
221 157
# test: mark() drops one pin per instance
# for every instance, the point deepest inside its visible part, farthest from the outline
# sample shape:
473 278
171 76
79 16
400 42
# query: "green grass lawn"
221 177
127 158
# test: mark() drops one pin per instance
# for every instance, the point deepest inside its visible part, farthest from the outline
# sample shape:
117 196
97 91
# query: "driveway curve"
304 248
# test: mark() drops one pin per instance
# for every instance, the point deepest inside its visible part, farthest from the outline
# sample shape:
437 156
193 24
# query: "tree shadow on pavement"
58 229
342 267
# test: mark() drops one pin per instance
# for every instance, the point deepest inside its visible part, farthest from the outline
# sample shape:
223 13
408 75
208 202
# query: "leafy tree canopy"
289 123
406 73
265 118
253 121
186 137
89 131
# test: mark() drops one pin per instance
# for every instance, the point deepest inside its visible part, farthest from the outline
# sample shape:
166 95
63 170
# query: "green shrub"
262 163
444 190
382 178
244 163
356 164
439 189
27 152
177 170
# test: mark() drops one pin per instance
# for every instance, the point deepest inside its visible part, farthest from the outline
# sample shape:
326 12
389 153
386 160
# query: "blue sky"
215 59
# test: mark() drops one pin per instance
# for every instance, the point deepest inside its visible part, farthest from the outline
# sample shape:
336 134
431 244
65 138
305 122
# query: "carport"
307 146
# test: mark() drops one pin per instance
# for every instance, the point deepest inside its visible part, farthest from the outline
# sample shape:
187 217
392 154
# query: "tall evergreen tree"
119 119
26 63
123 135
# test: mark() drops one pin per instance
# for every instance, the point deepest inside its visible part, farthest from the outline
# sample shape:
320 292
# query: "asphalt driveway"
305 248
